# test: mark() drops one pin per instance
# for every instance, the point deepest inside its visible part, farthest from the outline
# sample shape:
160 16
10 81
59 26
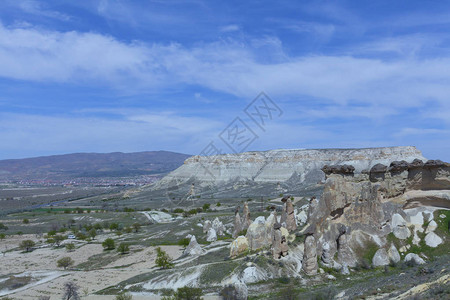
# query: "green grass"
213 274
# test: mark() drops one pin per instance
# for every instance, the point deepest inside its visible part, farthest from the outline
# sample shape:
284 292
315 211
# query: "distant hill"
76 165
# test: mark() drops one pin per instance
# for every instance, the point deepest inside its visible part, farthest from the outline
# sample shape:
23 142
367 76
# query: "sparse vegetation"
65 262
70 247
27 245
71 291
123 248
163 260
124 296
108 244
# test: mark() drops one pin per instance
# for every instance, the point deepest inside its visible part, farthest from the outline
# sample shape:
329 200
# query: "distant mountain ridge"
116 164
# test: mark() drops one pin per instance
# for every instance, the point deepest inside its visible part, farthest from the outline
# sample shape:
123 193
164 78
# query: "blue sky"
115 75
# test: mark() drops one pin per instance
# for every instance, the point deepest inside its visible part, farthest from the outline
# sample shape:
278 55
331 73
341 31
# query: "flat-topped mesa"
270 173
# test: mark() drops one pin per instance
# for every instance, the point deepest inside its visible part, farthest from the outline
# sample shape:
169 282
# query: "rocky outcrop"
238 246
279 243
381 258
211 236
237 225
393 254
257 234
264 172
433 240
218 226
207 226
310 256
356 209
291 222
193 248
246 218
415 258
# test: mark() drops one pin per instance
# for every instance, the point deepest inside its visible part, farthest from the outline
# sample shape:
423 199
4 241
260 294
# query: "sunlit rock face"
273 172
359 208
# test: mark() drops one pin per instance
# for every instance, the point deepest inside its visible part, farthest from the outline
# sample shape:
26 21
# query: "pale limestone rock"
211 235
270 222
246 220
394 256
207 226
193 248
218 227
309 263
431 227
399 228
345 253
252 275
381 258
331 277
433 240
345 270
238 246
256 234
326 255
302 217
416 258
402 249
241 291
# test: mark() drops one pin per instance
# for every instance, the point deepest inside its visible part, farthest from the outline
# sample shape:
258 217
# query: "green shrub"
108 244
178 210
184 242
26 221
206 206
123 248
65 262
163 260
124 296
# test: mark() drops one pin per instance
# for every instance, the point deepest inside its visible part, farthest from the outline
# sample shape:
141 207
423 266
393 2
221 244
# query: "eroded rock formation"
359 208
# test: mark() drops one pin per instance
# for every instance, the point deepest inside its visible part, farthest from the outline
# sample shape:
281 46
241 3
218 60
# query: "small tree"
206 206
163 260
123 248
114 226
108 244
124 296
2 236
128 230
136 227
58 239
71 291
25 221
27 245
93 233
65 262
70 247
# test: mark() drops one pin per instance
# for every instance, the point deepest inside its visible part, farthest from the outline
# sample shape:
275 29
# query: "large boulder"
415 258
238 246
394 256
252 274
257 234
310 256
381 258
193 248
345 252
431 227
433 240
399 227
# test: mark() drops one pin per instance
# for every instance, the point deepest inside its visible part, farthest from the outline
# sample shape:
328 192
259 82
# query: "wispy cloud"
37 8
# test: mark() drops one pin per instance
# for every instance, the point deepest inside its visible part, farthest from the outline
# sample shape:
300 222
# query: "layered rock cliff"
272 172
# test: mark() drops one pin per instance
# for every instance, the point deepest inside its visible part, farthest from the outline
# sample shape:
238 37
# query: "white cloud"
227 66
36 8
229 28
